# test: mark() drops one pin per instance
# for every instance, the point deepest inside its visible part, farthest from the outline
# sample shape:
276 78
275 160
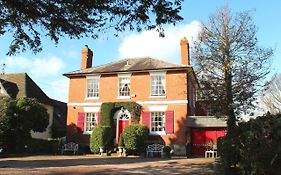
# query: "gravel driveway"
91 164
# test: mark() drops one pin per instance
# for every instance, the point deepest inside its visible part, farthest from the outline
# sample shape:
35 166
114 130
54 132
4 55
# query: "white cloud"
36 67
148 43
59 89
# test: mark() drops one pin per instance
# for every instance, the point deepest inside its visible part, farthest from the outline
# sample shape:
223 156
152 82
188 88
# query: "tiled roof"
25 87
130 65
10 87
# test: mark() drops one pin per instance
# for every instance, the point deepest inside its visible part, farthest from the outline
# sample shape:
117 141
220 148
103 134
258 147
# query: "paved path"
91 164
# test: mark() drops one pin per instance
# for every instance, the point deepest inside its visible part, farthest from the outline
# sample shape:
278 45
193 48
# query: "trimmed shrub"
254 148
101 137
106 114
135 137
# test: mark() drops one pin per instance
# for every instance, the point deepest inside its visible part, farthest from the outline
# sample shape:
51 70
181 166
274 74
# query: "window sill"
157 96
87 132
92 98
157 133
123 97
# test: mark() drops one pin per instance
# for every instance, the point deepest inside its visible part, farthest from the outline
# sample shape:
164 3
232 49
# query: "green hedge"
106 114
135 137
254 148
101 137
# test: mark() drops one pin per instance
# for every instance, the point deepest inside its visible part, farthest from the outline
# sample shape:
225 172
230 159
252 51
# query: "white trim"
128 76
157 133
157 73
87 132
92 98
123 97
84 104
92 109
124 75
162 74
93 76
158 108
165 102
164 96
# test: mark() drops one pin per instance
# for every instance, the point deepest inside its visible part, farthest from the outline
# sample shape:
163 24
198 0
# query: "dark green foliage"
28 21
167 149
17 118
106 114
101 137
40 146
108 110
254 148
134 109
135 137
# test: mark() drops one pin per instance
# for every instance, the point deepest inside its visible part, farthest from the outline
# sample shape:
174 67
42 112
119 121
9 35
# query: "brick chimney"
87 57
184 51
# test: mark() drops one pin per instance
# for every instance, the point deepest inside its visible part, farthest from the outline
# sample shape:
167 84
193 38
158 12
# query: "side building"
21 85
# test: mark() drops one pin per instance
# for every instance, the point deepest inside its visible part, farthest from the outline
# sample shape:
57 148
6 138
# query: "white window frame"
94 110
93 115
124 76
97 79
163 132
161 74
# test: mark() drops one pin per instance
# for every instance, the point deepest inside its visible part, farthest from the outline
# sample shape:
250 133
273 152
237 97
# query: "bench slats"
154 148
71 146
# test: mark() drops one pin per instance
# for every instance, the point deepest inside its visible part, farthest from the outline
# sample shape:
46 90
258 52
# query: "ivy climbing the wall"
108 110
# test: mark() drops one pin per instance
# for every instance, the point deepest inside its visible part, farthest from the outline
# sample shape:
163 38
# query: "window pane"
157 121
93 87
90 121
124 86
157 85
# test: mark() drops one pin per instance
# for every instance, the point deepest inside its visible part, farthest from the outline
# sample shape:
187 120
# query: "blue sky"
47 67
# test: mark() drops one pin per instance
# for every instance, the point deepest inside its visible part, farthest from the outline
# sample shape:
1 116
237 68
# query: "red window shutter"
98 119
169 122
80 121
146 118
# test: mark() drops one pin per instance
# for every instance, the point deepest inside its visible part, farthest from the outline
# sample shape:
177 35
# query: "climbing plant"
108 110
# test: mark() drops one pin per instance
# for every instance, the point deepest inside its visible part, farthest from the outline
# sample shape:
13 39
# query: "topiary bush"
135 137
100 137
254 148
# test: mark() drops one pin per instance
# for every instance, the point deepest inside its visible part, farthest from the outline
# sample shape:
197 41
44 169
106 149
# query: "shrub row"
254 148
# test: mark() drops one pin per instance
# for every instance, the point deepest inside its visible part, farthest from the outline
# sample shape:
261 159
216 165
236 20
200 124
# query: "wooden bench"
70 147
154 148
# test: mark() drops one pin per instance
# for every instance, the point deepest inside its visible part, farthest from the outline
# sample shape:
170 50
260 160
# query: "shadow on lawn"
192 169
128 165
68 161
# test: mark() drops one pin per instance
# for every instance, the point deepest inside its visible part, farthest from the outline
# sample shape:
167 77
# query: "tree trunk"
231 122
